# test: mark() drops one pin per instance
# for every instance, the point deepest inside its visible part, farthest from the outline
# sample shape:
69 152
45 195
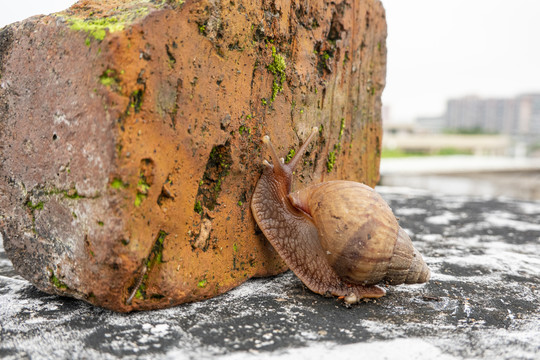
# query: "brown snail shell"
339 237
360 235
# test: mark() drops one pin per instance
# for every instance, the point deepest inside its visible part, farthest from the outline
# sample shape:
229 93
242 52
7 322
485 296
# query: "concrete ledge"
482 302
456 164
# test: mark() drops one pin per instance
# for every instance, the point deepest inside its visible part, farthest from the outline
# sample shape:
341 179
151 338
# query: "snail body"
339 237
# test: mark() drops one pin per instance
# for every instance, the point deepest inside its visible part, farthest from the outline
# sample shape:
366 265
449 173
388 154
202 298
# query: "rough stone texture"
482 302
130 135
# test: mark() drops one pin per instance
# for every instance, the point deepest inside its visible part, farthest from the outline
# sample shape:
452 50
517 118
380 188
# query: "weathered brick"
130 136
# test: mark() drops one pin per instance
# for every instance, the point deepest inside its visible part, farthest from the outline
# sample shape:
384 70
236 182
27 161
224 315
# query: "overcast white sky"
437 49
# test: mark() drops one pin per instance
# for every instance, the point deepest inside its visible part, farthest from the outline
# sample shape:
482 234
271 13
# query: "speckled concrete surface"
482 302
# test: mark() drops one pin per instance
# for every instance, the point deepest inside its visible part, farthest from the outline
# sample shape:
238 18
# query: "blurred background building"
513 116
478 146
470 125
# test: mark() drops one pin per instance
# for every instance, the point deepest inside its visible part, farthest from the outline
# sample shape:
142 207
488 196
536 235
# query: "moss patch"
110 78
139 198
142 185
155 257
56 282
157 250
113 20
330 162
198 207
97 27
72 194
136 99
244 129
277 68
290 156
145 181
32 207
118 184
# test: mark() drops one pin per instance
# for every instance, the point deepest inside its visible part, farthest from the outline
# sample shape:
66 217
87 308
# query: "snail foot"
363 292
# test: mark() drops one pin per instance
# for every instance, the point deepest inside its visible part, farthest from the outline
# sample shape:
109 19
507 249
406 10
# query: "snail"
339 237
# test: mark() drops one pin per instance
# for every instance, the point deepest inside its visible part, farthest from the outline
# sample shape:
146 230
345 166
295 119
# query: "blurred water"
466 175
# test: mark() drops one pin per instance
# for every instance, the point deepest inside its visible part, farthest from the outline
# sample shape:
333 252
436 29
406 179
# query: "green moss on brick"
139 198
198 207
97 28
331 161
118 184
155 258
109 78
136 99
277 68
72 194
143 186
56 282
290 156
31 206
142 190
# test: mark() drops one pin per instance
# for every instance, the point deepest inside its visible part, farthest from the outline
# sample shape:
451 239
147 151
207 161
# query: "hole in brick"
172 59
139 288
217 168
336 28
146 179
146 168
202 239
136 99
54 137
166 195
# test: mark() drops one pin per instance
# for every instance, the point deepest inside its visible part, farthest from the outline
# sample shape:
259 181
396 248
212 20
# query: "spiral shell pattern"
360 235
